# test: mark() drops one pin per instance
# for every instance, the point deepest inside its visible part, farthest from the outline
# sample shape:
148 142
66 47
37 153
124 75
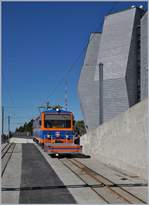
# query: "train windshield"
57 121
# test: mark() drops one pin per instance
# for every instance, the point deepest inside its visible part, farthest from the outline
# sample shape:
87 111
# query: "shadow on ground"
70 156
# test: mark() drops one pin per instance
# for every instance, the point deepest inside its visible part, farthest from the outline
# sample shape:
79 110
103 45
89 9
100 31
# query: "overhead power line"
63 79
14 118
20 107
18 123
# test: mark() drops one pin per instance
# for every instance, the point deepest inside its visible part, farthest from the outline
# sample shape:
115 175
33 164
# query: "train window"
40 122
57 121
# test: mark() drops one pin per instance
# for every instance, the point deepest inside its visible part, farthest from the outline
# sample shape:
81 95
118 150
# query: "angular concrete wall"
144 57
133 65
118 54
122 141
88 89
118 48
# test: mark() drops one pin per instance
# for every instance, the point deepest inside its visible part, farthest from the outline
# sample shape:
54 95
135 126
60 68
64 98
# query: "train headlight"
57 109
48 136
67 136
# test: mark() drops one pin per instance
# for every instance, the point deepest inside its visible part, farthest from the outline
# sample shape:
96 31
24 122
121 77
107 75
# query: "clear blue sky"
40 41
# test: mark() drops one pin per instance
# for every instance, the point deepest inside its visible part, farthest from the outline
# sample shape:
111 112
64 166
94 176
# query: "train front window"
57 121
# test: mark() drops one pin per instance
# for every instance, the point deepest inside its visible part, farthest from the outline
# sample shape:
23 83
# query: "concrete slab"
3 145
68 177
116 176
20 140
34 169
140 192
130 197
10 197
86 196
110 196
81 195
12 176
6 156
38 177
81 173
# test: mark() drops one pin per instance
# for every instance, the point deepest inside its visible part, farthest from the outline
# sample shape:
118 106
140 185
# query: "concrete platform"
81 195
29 170
32 176
20 140
12 176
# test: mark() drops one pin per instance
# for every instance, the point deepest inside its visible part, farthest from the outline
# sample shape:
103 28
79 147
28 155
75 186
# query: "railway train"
54 130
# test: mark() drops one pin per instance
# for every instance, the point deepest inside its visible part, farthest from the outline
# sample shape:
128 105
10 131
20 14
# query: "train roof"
54 111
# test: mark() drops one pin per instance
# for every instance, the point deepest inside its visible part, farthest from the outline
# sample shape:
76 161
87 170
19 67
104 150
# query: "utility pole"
2 120
8 126
100 93
66 95
48 104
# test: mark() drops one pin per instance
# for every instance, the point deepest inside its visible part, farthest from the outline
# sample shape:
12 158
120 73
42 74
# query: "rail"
108 190
6 154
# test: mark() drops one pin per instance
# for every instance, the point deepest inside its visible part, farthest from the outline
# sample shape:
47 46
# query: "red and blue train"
54 130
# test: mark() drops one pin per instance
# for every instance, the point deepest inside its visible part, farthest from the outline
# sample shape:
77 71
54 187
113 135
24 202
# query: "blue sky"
40 41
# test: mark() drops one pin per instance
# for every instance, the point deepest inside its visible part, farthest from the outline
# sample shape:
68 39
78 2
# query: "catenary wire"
64 77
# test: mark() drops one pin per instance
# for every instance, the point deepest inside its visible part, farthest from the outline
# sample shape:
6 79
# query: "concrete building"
88 87
144 57
111 89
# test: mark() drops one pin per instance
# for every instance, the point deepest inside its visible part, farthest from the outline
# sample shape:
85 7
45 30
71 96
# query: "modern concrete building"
144 57
111 88
88 87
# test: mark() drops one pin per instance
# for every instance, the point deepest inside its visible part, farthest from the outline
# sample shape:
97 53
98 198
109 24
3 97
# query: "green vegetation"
27 127
79 127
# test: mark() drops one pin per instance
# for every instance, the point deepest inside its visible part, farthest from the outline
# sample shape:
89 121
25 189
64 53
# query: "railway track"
102 186
6 154
5 149
3 146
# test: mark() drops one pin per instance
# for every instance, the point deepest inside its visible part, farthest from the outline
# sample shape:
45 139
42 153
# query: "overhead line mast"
66 95
72 66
